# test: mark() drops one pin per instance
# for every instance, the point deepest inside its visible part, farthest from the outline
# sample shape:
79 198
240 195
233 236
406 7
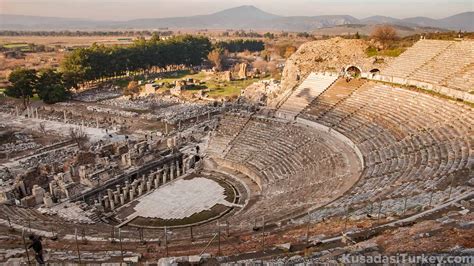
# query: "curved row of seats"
31 218
415 57
300 167
412 143
444 63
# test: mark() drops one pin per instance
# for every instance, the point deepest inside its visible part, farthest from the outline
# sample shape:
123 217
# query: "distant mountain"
239 17
247 12
243 17
462 21
423 21
380 20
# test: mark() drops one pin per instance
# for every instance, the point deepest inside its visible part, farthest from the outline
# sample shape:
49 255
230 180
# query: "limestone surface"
181 199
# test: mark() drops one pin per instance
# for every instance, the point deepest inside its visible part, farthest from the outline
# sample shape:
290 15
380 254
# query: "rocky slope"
331 55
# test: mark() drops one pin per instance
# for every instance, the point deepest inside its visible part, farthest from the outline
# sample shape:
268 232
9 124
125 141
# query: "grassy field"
229 89
19 46
371 51
217 89
15 45
66 41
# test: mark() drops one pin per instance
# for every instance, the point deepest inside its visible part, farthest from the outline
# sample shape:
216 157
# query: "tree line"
132 33
50 85
237 46
99 62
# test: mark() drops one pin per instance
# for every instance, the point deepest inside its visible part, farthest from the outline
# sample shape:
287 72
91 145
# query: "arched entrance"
353 71
375 71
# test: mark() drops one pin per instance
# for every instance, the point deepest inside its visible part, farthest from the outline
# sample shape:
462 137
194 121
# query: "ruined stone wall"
326 55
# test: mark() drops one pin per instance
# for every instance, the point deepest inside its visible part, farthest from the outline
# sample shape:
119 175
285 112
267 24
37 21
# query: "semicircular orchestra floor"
192 200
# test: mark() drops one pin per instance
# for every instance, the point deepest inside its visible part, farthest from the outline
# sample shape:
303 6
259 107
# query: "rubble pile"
98 94
49 158
142 103
19 142
258 92
112 111
175 113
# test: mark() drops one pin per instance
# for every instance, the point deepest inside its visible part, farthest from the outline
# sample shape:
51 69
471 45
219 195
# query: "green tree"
71 80
269 35
50 86
23 83
99 62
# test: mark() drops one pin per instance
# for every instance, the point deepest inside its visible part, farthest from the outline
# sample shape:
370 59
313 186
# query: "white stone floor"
181 199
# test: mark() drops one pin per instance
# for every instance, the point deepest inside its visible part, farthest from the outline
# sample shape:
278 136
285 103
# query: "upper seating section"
412 143
415 57
443 63
446 65
312 87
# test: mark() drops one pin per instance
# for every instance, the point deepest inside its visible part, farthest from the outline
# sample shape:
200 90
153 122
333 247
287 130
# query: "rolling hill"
243 17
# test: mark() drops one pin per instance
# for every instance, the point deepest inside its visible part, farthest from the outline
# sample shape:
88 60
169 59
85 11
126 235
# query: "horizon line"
235 7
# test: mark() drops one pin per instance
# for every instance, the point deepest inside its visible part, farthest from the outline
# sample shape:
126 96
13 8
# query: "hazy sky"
129 9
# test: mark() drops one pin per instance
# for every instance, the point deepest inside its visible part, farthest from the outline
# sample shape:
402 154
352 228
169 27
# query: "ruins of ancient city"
190 145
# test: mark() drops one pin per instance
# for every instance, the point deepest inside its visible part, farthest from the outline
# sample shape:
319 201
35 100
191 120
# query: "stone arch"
353 71
375 71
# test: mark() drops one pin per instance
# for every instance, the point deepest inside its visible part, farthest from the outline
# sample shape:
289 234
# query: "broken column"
124 194
148 186
172 173
116 197
98 206
165 176
134 185
185 161
140 190
178 169
157 181
106 202
142 184
38 193
112 204
126 190
126 159
48 201
110 193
